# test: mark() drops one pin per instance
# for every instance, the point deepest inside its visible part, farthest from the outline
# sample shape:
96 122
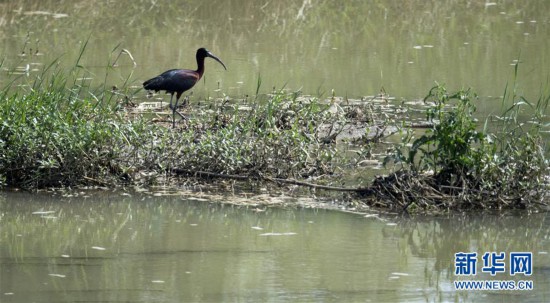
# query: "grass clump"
51 137
455 165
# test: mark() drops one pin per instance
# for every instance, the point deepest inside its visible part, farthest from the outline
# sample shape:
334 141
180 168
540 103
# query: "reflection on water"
355 48
165 249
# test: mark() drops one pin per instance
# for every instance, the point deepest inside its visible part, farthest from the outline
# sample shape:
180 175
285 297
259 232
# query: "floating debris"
39 13
98 248
393 277
58 16
57 275
43 212
157 281
257 228
45 13
279 234
197 199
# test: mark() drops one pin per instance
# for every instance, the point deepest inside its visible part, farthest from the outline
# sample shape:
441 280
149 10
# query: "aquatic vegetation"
455 165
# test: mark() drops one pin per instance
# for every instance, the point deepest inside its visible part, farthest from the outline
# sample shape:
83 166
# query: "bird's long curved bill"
217 59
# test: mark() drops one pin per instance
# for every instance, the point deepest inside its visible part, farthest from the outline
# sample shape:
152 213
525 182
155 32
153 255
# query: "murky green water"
116 248
355 48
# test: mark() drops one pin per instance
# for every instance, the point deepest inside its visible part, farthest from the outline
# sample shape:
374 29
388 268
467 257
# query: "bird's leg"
172 97
161 99
174 111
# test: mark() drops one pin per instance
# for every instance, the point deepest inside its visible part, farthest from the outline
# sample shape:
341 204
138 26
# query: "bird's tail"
152 84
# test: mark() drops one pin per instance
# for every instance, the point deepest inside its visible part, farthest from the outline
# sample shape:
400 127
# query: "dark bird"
180 80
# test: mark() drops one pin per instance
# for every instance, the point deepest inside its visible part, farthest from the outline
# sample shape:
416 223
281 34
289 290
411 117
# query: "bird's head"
203 53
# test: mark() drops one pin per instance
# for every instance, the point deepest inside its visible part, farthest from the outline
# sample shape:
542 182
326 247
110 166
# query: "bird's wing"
174 80
158 83
180 80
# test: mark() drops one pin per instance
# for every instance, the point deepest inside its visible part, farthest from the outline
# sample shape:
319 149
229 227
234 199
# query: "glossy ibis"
180 80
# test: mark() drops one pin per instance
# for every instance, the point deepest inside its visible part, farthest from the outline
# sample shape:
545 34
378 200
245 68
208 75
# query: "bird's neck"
200 68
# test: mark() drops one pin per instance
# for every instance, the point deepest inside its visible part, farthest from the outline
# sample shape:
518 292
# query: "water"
354 48
117 248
